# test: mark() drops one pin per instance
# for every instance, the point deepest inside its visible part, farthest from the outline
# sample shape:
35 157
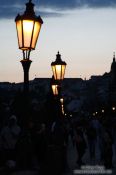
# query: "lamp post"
28 27
58 69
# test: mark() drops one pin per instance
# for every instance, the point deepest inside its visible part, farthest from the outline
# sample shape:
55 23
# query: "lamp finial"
114 56
58 56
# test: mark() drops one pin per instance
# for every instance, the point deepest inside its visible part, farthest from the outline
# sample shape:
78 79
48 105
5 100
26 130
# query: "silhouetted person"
9 136
108 153
57 149
91 136
24 149
40 145
80 145
114 138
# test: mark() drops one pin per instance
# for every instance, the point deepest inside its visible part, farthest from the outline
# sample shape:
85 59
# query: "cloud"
69 4
10 8
12 11
99 3
59 4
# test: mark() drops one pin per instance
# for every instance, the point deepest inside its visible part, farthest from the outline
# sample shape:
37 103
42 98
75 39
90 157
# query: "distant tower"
113 72
113 80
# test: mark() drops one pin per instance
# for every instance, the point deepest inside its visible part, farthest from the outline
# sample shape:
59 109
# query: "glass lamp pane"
27 32
36 32
63 71
19 32
54 72
58 72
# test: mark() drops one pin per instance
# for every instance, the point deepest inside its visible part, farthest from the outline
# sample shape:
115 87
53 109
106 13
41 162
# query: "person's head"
12 120
43 126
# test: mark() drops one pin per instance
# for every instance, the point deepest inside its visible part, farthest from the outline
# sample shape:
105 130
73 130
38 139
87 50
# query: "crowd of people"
37 146
96 135
43 146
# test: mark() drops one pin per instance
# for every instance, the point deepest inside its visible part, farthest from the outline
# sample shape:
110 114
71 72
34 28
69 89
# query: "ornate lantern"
58 68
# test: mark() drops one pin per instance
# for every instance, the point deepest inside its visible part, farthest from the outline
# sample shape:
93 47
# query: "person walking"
9 136
80 145
108 152
91 137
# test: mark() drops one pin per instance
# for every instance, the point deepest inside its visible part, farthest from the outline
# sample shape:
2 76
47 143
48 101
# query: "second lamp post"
58 68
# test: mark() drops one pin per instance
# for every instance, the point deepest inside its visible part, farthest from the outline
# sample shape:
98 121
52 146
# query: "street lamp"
28 28
58 68
55 89
54 86
113 108
62 101
62 105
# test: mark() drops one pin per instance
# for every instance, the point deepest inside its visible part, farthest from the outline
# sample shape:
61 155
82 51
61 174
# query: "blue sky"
84 31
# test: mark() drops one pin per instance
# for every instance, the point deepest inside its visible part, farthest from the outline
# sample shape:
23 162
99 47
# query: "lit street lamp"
113 108
62 105
62 100
58 68
55 89
28 28
56 92
54 86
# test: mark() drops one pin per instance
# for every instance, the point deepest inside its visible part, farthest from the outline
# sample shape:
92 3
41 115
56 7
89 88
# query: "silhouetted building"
79 94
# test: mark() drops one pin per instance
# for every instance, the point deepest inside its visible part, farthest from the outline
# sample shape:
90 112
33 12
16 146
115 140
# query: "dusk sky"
83 31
